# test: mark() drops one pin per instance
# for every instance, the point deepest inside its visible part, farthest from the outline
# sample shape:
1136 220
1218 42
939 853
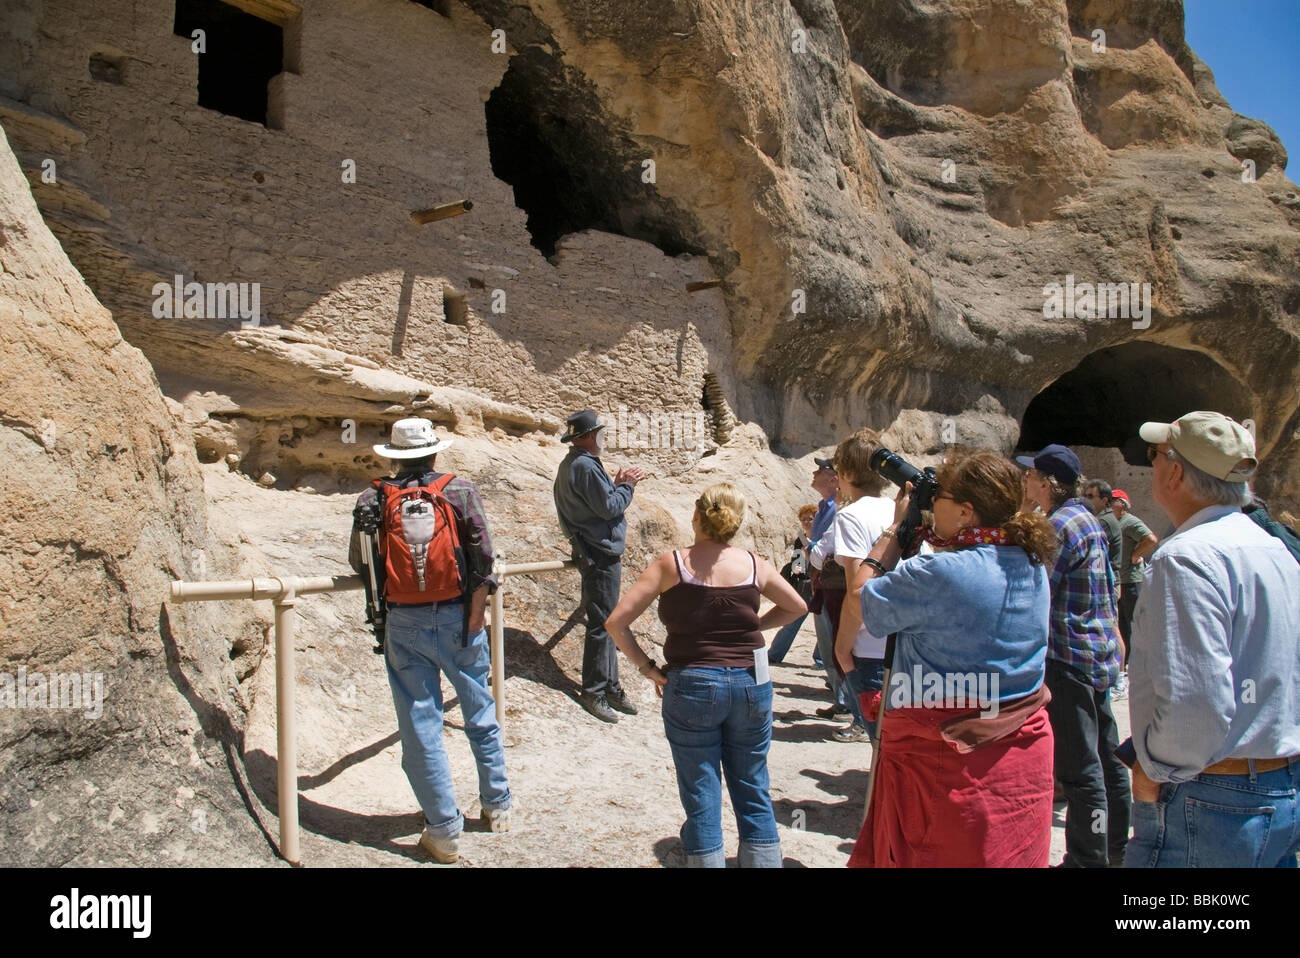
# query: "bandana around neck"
974 536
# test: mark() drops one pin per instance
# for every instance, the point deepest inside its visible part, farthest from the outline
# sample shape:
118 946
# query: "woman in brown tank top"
717 714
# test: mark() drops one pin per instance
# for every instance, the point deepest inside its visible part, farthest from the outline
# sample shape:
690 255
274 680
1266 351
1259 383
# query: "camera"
367 516
925 485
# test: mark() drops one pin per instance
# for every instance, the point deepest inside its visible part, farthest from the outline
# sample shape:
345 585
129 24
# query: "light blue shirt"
982 609
1215 667
822 523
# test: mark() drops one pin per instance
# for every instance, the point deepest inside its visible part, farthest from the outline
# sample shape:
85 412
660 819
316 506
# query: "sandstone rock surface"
738 230
101 505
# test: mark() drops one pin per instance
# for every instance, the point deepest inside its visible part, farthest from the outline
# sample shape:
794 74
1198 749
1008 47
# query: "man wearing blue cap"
1084 658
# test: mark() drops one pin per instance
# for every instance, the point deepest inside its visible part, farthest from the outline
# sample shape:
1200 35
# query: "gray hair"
1101 485
1059 491
1205 487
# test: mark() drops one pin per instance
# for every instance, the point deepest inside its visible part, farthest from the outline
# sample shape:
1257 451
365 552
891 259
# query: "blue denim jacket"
982 609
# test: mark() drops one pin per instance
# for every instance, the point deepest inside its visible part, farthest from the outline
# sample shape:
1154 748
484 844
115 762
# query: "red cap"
1120 494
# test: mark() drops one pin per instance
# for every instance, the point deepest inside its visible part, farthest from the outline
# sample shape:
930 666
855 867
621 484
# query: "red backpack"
419 541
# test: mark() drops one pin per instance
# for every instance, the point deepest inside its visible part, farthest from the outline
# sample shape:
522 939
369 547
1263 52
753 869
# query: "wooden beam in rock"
441 212
278 12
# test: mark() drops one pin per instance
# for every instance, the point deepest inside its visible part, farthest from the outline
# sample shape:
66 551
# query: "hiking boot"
595 703
444 850
496 819
831 711
619 701
852 733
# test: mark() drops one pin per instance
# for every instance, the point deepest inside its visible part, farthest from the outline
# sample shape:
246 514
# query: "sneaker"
1121 687
444 850
496 819
831 711
620 702
852 733
595 703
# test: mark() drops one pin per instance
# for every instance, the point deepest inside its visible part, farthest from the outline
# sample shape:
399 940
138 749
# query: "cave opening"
548 140
240 54
437 6
1103 400
1097 407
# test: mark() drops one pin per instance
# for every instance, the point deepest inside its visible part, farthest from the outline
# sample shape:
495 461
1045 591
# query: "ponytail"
1034 534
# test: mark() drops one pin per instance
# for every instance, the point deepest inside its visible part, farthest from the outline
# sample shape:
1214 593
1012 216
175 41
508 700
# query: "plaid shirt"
474 536
1084 632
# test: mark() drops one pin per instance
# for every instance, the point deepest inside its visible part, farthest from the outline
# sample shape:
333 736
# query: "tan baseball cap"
1210 441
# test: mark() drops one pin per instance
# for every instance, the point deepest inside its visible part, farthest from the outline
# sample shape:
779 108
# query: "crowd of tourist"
980 650
1037 599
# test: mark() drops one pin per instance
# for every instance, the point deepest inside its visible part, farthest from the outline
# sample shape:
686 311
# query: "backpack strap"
438 485
380 487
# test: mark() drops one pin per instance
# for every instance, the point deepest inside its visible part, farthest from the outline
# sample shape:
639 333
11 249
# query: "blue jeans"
1220 821
421 644
719 718
868 675
784 639
826 644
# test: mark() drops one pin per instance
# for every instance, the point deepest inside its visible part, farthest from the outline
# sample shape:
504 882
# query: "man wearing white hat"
1215 670
425 639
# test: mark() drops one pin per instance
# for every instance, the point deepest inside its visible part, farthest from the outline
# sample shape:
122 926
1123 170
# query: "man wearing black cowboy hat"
590 506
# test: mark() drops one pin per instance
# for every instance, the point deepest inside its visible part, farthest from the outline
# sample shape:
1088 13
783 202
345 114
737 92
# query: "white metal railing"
283 591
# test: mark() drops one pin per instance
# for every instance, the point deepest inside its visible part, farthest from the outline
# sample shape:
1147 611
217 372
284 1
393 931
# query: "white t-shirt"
856 528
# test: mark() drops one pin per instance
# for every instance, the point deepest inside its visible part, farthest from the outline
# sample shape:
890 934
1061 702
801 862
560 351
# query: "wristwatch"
645 669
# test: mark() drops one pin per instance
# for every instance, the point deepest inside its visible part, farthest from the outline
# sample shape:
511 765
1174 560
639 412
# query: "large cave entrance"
1097 407
570 169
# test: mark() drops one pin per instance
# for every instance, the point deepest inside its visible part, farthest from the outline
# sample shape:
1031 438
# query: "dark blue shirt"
590 505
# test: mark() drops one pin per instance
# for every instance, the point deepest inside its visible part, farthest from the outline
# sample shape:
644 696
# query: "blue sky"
1253 47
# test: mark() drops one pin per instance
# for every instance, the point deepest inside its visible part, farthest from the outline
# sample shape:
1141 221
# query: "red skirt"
935 807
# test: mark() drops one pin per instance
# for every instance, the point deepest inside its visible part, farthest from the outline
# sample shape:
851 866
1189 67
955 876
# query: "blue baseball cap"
1056 461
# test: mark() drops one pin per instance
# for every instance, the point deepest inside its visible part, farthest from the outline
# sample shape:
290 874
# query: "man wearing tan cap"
1215 670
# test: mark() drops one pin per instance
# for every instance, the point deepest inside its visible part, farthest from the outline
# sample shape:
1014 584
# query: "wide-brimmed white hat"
412 439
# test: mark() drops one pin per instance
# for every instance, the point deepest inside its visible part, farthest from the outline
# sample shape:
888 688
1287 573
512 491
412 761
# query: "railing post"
499 641
284 592
286 726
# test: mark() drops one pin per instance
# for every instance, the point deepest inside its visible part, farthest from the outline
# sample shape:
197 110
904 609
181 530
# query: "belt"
426 605
1241 766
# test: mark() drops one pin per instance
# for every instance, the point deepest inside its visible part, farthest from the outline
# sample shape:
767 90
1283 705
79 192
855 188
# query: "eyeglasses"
943 495
1153 451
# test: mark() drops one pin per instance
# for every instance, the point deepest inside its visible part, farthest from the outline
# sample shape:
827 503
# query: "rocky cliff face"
120 723
732 227
914 175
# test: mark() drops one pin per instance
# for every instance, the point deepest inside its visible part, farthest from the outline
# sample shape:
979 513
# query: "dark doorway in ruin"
1103 400
549 139
242 53
437 6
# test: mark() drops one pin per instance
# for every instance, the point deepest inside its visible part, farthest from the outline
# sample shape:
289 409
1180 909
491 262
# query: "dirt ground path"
586 793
